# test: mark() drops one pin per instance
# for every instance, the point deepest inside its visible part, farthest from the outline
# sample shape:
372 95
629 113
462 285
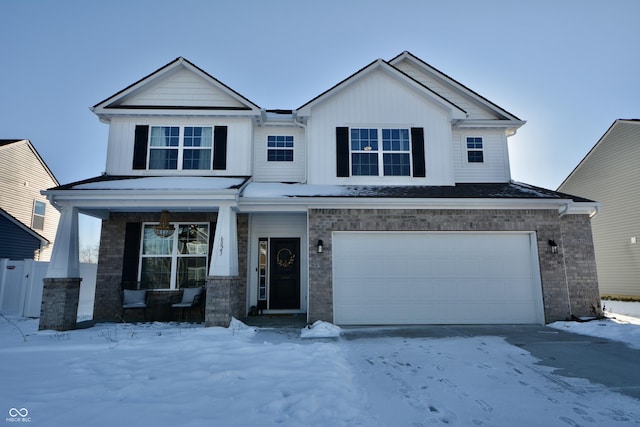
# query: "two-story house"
387 199
28 222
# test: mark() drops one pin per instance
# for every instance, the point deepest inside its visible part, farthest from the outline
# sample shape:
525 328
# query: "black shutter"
417 150
220 147
132 234
140 147
342 151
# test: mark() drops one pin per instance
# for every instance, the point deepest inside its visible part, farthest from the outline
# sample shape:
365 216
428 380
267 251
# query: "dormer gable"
179 87
480 111
456 112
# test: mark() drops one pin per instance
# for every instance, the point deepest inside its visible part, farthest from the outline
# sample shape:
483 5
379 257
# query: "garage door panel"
416 278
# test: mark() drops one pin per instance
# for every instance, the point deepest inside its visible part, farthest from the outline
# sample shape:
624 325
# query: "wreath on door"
285 258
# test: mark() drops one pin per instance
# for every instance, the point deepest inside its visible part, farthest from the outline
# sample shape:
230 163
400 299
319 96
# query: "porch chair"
192 297
135 296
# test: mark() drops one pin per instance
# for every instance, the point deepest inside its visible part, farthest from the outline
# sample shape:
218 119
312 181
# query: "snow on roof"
163 183
270 190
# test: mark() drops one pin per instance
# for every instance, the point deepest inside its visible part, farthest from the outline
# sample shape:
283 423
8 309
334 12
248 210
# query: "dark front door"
284 283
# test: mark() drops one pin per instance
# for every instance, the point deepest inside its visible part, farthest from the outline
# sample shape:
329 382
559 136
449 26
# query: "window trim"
35 215
275 149
468 150
181 147
380 151
175 255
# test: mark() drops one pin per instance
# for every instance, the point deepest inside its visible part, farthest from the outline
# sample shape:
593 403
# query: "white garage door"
435 278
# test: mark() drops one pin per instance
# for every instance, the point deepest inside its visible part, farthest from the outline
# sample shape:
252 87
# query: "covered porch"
203 235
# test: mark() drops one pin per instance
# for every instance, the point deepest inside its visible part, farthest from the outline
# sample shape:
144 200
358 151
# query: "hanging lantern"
163 229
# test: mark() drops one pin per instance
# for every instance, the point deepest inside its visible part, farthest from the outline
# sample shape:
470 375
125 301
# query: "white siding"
473 108
181 88
279 171
121 141
611 175
379 100
23 177
495 167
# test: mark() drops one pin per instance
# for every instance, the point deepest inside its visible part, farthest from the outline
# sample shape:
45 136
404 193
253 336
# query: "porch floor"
277 321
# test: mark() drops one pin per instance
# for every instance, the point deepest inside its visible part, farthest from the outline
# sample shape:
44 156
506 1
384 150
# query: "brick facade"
579 254
59 309
569 278
577 284
107 305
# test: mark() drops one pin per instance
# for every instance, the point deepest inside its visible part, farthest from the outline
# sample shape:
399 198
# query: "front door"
284 277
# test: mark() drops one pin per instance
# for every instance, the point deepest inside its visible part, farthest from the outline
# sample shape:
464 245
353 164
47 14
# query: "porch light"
163 229
554 246
320 246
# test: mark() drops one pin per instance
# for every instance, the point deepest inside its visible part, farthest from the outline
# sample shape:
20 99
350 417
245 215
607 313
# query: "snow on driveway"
157 374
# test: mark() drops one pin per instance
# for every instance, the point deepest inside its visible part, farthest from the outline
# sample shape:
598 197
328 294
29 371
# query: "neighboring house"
18 241
28 221
387 199
610 173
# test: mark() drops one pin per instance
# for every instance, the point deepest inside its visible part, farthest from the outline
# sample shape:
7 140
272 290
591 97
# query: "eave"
302 204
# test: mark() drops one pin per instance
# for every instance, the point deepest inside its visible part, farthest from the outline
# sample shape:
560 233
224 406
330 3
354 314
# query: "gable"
379 97
180 88
473 110
477 107
611 165
393 76
177 87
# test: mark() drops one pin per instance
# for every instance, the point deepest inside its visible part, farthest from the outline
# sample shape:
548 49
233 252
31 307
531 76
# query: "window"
171 261
474 149
185 148
39 208
279 148
368 158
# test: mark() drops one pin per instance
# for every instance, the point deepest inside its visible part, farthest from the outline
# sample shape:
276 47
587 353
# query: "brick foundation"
59 309
226 298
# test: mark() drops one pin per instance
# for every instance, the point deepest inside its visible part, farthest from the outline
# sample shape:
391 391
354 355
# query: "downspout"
566 276
562 212
306 146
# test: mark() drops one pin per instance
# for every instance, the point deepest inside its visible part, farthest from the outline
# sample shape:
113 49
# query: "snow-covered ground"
171 374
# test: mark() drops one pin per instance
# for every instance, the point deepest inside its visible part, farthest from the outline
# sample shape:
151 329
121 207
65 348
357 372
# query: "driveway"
598 360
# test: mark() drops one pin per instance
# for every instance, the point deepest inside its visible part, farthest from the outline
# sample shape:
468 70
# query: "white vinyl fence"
21 287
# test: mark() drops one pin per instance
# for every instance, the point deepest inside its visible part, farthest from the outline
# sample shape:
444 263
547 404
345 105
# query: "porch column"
61 288
224 254
223 282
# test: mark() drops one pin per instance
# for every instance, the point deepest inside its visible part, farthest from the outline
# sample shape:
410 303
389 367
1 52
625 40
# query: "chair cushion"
188 294
134 297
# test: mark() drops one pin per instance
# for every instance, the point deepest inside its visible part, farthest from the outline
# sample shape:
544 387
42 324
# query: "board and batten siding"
265 171
473 110
23 177
610 175
495 167
122 134
182 88
379 100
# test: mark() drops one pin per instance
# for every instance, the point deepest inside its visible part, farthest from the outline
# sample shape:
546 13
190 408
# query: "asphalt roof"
506 190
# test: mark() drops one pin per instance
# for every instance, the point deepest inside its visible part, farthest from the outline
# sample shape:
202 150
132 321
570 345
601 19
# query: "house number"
221 244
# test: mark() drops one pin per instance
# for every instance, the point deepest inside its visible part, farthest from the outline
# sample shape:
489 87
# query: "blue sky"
567 67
